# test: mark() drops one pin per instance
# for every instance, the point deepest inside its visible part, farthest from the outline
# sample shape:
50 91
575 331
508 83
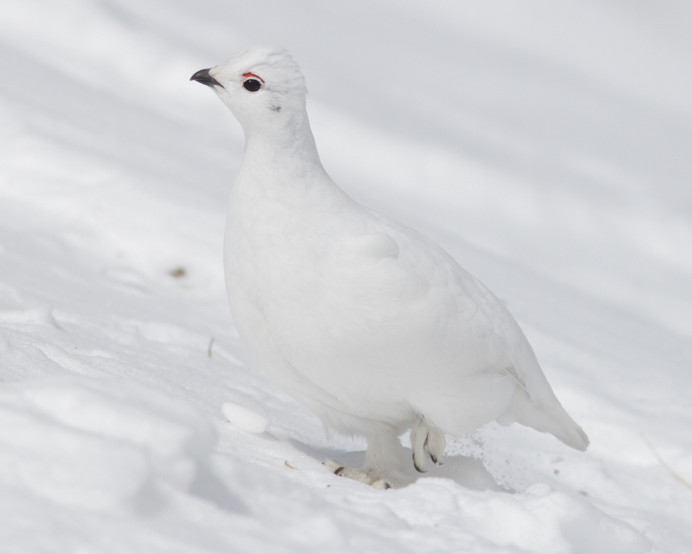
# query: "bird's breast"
277 247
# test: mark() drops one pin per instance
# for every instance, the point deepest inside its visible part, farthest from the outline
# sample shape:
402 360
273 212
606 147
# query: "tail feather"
535 405
547 419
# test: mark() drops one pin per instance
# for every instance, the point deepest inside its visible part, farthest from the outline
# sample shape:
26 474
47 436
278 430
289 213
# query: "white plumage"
366 322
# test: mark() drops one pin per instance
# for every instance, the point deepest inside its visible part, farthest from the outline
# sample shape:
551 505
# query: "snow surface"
545 145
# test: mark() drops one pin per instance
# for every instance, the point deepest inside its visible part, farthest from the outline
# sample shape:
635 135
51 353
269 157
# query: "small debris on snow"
178 272
244 419
670 470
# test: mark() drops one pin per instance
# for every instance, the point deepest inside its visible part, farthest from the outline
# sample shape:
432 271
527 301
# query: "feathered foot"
427 441
368 477
384 460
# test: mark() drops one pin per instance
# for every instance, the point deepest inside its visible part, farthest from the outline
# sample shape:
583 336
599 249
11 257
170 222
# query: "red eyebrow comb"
246 75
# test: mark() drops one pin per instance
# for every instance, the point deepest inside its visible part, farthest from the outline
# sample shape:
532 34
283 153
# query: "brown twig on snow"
670 470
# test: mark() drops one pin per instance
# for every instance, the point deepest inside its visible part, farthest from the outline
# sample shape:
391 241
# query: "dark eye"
253 85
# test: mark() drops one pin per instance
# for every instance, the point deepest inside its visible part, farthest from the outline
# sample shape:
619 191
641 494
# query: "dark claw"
339 470
432 456
418 469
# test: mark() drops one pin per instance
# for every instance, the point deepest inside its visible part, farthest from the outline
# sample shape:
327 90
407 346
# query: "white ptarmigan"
364 321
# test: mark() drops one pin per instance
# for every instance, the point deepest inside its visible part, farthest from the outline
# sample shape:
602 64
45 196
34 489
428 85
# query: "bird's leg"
426 441
382 467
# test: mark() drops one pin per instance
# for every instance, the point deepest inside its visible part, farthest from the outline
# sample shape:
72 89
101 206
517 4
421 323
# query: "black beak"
202 76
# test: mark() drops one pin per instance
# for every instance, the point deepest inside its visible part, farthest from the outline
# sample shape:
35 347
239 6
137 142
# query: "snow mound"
244 419
99 444
541 519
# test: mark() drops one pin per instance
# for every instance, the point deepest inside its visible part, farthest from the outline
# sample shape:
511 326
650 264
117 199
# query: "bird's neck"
284 146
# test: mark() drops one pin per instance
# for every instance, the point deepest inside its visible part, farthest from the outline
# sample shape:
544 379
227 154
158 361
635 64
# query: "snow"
244 419
560 133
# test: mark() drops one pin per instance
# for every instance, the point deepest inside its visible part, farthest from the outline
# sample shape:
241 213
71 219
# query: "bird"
363 320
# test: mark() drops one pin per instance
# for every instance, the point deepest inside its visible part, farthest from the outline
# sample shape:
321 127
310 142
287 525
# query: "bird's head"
263 87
